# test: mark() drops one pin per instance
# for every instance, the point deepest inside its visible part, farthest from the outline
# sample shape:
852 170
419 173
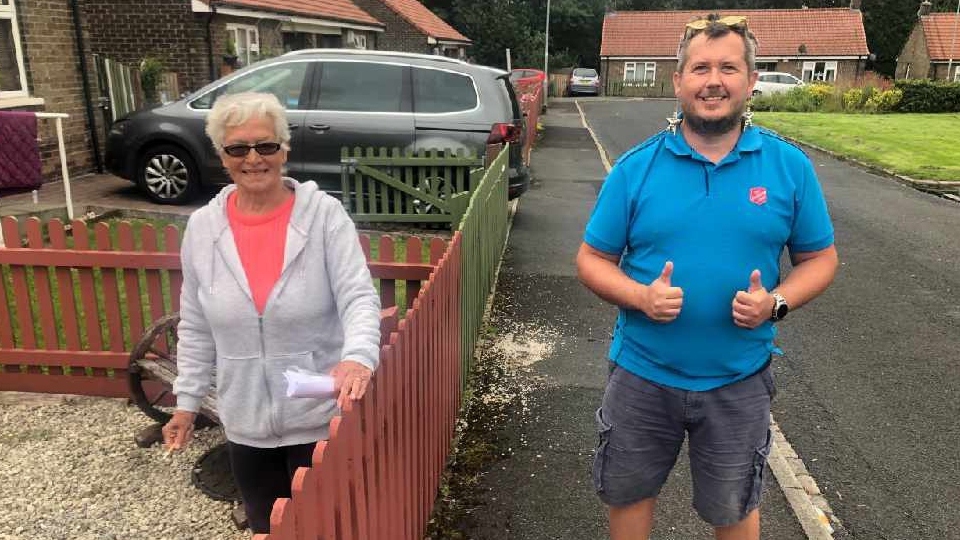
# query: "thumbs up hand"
661 301
752 307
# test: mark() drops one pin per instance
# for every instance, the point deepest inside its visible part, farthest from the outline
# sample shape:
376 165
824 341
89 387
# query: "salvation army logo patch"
758 195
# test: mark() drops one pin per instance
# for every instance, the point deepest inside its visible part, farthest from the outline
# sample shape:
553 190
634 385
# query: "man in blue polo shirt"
686 239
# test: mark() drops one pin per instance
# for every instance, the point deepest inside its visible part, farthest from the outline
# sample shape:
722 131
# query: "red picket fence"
74 302
377 475
530 94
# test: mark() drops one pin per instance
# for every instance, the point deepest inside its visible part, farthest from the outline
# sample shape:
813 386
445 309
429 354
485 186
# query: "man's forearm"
809 278
605 278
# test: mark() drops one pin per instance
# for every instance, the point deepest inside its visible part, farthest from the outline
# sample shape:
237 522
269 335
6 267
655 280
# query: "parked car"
334 98
583 81
773 82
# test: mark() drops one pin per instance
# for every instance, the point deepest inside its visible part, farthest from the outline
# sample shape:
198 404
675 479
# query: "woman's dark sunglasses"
241 150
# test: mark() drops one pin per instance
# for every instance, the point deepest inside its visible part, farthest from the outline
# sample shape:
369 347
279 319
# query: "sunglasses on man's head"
730 20
241 150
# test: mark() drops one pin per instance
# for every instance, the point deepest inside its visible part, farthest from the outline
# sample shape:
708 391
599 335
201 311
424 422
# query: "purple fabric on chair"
19 152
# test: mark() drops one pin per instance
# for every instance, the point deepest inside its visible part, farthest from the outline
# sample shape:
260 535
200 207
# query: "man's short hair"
715 26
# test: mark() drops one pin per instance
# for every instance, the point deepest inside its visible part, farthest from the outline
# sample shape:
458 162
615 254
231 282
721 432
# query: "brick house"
932 51
41 69
411 27
639 48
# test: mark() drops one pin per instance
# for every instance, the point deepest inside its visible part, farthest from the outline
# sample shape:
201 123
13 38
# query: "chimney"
855 5
924 8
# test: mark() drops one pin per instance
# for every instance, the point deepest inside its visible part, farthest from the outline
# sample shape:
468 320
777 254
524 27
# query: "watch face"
782 310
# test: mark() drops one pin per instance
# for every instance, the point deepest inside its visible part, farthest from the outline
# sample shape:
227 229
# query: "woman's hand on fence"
178 430
351 380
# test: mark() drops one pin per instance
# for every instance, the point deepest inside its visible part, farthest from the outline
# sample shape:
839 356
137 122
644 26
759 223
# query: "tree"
888 24
496 25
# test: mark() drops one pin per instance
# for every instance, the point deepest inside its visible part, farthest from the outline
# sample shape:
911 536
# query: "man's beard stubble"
714 127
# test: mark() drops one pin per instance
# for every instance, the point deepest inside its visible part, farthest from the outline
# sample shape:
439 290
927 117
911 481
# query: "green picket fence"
484 232
385 185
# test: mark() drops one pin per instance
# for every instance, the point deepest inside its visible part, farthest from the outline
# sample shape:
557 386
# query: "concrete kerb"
800 489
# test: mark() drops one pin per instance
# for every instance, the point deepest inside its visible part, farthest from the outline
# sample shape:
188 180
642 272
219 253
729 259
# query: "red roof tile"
779 32
425 20
940 31
340 10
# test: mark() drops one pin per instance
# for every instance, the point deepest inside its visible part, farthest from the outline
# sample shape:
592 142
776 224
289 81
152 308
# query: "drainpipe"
213 12
87 98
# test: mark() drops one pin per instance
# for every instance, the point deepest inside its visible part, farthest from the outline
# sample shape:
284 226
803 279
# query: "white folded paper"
313 385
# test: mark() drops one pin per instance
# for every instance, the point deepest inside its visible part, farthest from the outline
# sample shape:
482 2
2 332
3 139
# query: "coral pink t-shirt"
261 240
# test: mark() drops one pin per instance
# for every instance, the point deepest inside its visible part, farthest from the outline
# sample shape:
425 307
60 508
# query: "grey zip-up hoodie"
323 309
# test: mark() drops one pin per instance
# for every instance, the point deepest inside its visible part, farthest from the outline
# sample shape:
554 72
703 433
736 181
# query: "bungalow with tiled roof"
932 51
41 69
638 49
257 29
411 27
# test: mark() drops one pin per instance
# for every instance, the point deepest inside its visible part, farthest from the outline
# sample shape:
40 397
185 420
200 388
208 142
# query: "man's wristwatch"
780 307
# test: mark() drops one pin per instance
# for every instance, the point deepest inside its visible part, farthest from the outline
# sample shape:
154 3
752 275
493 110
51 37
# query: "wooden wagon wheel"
154 358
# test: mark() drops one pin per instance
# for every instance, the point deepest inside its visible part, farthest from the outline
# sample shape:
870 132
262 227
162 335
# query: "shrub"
150 71
885 101
818 93
853 99
923 96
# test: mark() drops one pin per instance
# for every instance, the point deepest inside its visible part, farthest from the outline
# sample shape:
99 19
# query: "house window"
246 39
956 74
639 73
356 40
12 75
766 66
819 71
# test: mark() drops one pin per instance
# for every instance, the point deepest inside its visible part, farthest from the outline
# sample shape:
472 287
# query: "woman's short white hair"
233 110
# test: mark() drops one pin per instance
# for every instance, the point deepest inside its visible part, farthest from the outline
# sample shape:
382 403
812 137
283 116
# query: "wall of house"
400 35
51 63
914 54
612 72
938 70
130 30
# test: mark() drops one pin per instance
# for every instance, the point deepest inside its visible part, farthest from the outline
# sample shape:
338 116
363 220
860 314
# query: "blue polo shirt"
663 201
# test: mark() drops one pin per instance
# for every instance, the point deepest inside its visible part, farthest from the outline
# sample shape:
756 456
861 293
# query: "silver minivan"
334 98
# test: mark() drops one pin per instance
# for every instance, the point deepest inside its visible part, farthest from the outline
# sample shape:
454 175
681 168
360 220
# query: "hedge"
924 96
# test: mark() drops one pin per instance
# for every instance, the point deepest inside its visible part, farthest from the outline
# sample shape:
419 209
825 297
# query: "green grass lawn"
922 146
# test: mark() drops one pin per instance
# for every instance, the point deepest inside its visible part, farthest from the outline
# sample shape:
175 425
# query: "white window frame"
8 11
956 74
251 52
356 40
642 80
829 73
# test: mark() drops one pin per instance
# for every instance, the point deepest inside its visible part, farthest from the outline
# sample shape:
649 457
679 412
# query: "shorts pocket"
759 464
600 458
767 377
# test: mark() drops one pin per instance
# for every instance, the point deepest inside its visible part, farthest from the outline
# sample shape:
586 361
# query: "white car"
773 82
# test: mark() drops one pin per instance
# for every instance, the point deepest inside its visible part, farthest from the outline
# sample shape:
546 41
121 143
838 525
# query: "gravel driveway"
69 469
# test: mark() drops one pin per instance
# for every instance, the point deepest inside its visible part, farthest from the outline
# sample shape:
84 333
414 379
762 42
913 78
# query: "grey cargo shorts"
642 426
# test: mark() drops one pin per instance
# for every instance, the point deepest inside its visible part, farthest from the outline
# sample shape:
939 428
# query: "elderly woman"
273 279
